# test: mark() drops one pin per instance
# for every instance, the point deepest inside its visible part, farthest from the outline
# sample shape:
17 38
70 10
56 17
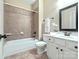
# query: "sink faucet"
67 33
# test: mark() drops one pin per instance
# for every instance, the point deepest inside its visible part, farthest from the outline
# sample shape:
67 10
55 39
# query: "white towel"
47 25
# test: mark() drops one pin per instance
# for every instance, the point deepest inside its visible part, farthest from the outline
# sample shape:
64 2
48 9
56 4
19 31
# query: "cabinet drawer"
72 45
60 42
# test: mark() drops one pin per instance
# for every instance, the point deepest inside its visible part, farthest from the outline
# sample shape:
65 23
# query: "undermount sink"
61 35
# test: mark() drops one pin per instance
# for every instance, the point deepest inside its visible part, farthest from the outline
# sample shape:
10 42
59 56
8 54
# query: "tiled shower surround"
17 21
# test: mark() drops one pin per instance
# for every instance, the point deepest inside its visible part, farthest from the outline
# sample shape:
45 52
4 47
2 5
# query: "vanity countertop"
58 35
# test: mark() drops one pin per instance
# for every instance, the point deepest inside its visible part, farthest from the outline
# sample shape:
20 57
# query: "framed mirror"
69 18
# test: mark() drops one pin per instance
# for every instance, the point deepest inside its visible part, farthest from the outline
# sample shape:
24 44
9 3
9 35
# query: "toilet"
41 47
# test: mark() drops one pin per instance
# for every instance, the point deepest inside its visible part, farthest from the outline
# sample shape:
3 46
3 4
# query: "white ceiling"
30 1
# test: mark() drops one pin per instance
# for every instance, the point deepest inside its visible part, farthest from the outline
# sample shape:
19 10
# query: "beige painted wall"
17 20
51 8
19 3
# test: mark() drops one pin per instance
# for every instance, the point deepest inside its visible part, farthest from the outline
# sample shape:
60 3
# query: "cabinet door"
61 53
52 51
49 51
68 54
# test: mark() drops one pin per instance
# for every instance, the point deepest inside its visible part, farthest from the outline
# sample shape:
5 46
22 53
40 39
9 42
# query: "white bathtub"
16 46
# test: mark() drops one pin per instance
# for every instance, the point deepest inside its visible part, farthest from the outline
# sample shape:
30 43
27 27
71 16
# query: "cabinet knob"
56 47
61 49
76 47
49 39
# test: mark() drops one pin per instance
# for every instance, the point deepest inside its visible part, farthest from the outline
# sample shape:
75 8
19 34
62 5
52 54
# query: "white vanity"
61 47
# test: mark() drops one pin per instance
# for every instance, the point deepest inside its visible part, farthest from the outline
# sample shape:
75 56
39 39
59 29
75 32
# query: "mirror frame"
60 18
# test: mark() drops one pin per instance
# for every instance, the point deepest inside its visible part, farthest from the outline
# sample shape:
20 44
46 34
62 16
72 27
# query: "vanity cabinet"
58 48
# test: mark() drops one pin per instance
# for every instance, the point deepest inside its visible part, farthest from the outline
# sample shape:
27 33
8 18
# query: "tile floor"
31 54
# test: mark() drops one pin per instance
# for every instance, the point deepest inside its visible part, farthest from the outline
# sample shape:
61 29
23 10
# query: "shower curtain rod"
20 7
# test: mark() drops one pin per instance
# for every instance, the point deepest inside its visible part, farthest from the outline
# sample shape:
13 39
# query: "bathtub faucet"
3 36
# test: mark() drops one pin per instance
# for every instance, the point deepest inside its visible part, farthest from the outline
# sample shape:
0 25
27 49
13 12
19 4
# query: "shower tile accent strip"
31 54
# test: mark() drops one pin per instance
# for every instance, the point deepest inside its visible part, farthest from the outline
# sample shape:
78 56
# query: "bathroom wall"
16 22
51 8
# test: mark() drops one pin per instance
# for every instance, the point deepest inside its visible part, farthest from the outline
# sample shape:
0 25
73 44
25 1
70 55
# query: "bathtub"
17 46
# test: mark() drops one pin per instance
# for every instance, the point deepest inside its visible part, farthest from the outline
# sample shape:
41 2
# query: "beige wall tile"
17 20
